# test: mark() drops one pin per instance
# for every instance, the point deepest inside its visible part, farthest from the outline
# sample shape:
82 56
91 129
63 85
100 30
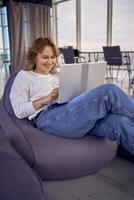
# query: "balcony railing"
127 74
95 56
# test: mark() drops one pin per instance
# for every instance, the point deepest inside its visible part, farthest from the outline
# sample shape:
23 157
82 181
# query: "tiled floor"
114 182
121 81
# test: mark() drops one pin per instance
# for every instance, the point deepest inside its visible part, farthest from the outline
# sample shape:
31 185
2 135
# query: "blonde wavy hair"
37 47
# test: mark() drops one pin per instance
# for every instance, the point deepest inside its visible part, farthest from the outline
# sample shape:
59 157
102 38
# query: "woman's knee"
111 86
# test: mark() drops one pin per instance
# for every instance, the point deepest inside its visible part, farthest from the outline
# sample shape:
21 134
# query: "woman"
105 111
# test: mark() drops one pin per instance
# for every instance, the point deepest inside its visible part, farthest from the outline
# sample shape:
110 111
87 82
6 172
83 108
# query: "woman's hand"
39 103
54 94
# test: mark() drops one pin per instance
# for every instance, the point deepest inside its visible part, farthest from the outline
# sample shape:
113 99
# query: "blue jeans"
105 111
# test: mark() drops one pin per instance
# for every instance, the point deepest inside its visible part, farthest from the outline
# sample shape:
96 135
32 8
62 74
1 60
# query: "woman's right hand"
53 95
39 103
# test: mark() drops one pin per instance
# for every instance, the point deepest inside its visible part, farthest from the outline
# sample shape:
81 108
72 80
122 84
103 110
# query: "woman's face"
45 61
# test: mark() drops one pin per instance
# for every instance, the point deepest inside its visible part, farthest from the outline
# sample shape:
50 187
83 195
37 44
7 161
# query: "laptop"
79 77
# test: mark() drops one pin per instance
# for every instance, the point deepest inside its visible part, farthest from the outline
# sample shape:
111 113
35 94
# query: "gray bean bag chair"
17 180
52 157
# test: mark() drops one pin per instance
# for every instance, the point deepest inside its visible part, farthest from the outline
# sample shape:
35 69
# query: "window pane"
66 13
94 19
1 38
123 28
5 31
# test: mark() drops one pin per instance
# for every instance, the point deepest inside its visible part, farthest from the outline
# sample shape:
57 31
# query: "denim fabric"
105 111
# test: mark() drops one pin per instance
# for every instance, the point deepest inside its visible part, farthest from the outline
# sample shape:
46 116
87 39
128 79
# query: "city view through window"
93 24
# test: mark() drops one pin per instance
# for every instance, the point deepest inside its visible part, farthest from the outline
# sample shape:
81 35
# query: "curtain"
27 22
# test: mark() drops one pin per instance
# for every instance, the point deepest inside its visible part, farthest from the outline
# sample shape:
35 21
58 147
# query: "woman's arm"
20 96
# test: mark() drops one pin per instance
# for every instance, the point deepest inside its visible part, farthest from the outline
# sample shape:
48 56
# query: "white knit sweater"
27 87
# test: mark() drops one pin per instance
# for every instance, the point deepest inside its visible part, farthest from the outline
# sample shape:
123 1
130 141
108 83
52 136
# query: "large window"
4 49
1 40
4 36
123 20
66 14
93 25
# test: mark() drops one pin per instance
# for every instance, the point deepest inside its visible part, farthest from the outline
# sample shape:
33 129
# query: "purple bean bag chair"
17 180
52 157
